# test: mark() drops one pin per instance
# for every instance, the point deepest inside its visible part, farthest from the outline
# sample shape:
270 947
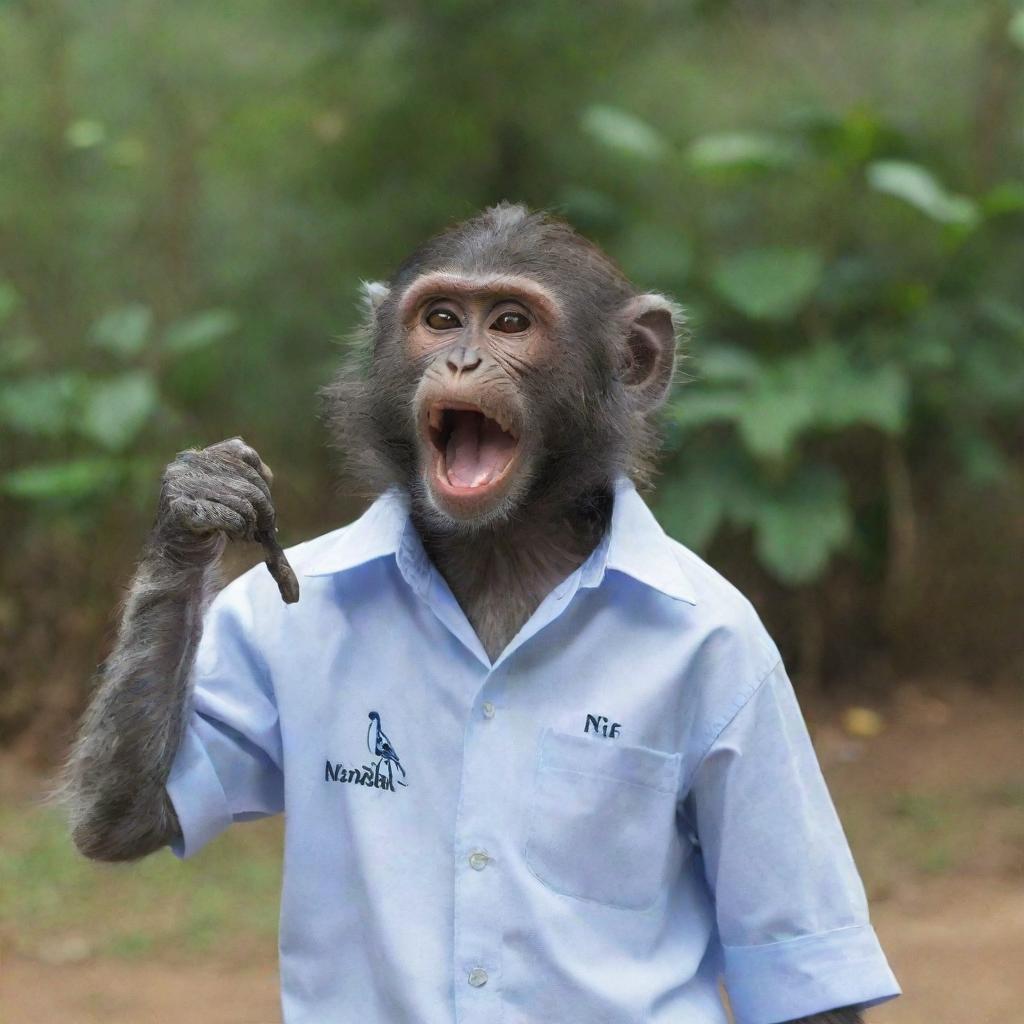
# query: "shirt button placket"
477 883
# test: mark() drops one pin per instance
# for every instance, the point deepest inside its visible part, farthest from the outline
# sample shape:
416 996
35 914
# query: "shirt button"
477 977
488 709
478 860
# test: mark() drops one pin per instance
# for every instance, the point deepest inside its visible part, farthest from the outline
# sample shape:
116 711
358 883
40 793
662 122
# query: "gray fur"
115 780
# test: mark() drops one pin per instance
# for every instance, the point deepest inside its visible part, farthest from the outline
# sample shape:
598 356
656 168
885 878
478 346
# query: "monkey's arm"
132 729
118 770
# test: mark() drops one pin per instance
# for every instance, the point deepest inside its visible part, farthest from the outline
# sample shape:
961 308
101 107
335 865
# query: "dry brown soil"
953 929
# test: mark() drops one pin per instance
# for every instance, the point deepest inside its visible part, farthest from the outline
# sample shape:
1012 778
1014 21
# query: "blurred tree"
190 193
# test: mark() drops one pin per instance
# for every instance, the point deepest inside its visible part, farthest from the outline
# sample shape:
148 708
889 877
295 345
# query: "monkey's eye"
511 323
442 320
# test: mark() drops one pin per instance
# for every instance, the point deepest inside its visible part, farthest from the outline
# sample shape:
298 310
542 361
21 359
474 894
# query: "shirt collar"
638 547
635 546
380 531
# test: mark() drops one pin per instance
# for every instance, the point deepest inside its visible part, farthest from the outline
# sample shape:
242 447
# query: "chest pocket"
603 820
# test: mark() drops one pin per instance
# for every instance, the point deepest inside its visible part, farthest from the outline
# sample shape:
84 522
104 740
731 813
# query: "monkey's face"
510 370
479 340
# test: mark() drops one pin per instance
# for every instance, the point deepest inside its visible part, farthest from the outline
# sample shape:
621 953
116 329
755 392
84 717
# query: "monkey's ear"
373 294
653 324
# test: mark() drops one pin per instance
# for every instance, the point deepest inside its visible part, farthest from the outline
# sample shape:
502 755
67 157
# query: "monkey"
504 378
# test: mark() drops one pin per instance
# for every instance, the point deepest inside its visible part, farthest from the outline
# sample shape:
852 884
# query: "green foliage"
189 200
772 403
8 300
199 331
63 481
919 187
1016 28
123 331
102 416
741 151
801 525
769 284
840 339
116 409
624 133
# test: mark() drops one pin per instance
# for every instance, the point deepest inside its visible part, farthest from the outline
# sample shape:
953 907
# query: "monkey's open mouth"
474 450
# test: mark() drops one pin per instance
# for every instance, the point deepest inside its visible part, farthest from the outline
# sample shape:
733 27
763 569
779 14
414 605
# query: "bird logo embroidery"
380 746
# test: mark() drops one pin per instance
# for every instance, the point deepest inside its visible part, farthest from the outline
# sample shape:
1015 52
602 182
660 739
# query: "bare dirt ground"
935 810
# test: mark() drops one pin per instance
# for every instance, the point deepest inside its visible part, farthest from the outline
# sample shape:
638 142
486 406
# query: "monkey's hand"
215 494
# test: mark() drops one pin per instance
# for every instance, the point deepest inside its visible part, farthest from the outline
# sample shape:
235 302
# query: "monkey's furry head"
584 387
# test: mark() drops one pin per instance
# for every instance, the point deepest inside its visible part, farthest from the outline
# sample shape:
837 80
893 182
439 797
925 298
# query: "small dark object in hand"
278 565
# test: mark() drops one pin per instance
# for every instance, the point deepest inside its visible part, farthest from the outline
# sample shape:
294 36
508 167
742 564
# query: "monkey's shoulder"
718 618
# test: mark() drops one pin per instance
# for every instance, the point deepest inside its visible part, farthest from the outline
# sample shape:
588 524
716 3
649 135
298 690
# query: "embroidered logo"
602 726
378 774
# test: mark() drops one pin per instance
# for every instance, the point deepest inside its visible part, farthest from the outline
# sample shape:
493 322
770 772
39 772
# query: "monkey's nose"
463 358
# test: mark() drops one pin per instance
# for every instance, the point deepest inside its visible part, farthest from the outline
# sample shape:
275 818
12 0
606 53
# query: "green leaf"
696 407
1016 28
67 481
1004 315
728 364
8 300
847 394
802 525
40 406
199 330
123 331
769 284
85 133
691 507
115 410
850 139
623 132
741 151
17 352
991 374
1007 197
921 189
773 416
983 461
656 256
712 486
773 404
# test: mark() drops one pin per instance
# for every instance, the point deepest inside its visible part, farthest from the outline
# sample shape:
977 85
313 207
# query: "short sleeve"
791 911
228 767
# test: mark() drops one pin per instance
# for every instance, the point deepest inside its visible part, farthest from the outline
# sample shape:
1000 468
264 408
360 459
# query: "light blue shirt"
593 829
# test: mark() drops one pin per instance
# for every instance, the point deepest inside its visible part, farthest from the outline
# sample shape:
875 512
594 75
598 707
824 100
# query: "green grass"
224 898
916 832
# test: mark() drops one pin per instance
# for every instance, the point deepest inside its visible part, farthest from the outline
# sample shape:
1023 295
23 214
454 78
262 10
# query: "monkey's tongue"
478 450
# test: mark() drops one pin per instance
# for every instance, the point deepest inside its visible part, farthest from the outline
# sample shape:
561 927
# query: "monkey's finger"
240 450
243 496
277 563
198 515
254 477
